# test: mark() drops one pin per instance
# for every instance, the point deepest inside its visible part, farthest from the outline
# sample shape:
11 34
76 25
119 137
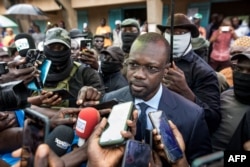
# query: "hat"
130 22
75 33
117 22
240 47
197 16
181 21
85 25
98 35
115 52
57 35
4 51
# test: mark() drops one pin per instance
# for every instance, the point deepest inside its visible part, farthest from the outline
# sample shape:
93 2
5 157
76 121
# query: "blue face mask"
182 44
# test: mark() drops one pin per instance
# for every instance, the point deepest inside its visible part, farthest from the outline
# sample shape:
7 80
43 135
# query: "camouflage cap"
240 47
57 35
130 22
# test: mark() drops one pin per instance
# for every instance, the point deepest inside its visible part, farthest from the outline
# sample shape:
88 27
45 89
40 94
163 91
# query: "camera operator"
14 73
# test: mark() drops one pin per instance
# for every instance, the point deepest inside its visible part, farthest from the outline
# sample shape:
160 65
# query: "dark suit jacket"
186 115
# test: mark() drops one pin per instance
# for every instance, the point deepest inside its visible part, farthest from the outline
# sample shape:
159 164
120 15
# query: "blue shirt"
153 104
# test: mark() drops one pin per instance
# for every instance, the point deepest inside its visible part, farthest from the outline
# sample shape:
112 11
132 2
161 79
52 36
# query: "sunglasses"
98 41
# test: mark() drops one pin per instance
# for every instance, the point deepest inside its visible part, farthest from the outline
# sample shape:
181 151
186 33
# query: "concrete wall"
97 9
93 3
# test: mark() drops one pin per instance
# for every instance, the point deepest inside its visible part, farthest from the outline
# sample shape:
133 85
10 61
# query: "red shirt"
221 45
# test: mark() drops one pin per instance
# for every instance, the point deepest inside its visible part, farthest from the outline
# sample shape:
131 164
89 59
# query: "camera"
225 28
3 68
85 44
33 56
13 95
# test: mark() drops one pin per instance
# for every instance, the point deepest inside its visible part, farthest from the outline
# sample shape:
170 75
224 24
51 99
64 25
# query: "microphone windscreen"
24 42
87 119
60 139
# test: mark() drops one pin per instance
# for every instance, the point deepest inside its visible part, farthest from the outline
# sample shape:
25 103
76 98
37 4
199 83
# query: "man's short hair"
152 37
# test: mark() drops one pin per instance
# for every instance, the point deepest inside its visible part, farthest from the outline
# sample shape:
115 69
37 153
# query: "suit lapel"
167 103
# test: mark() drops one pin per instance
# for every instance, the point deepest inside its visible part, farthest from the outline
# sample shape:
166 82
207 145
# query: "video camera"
33 56
13 95
4 69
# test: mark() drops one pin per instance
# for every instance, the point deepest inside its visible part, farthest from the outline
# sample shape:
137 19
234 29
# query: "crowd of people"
202 87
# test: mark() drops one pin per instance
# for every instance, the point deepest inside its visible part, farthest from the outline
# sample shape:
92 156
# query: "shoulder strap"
72 72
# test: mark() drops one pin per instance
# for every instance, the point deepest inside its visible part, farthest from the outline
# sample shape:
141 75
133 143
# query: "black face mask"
61 64
242 87
58 58
110 67
127 40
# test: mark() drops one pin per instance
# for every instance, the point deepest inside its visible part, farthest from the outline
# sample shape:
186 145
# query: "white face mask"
181 44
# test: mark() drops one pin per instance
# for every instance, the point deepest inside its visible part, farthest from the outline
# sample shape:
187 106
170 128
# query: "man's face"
118 26
196 21
242 65
99 43
177 31
130 29
103 22
235 21
57 47
75 48
145 69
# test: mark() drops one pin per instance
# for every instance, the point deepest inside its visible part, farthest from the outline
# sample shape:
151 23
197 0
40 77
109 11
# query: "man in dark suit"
146 64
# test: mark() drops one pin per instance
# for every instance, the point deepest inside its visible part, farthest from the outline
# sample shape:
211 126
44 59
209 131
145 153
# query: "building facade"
76 12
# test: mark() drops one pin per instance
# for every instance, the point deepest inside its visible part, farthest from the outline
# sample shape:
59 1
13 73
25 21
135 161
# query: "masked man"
130 31
190 75
235 102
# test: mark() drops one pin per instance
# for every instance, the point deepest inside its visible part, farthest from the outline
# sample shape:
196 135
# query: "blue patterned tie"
143 118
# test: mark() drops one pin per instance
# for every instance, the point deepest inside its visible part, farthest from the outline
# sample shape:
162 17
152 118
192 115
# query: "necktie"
143 118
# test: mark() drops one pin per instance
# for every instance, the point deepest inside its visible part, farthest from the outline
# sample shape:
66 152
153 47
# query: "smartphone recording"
171 146
117 121
35 131
225 28
85 44
64 94
136 154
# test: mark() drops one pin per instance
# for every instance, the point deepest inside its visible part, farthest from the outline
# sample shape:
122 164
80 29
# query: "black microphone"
24 42
60 139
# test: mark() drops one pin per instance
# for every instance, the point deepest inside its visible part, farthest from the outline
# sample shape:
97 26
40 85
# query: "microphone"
60 139
87 119
24 42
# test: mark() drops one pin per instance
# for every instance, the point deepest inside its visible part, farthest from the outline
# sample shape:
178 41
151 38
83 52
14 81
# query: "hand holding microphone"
88 118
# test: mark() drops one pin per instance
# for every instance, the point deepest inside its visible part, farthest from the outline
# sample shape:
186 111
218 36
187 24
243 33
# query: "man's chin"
137 94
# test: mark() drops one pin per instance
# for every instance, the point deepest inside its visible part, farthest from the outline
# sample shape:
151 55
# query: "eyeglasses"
133 66
98 41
